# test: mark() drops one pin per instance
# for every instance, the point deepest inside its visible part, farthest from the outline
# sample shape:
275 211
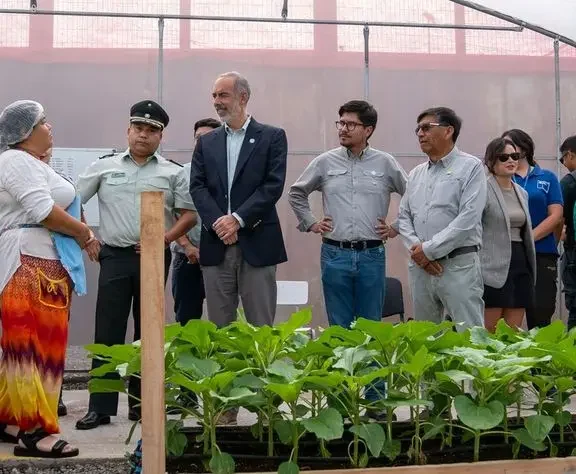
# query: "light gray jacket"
496 250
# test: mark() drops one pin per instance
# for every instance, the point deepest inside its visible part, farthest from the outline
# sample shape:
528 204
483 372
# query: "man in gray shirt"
187 284
356 182
440 221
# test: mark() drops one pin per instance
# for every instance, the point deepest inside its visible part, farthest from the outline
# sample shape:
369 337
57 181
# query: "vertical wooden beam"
152 314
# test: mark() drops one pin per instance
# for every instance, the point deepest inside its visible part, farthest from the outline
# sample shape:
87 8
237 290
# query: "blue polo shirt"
543 189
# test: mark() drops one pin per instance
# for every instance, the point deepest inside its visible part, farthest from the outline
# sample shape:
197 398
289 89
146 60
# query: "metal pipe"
160 59
160 85
558 143
515 21
366 63
304 21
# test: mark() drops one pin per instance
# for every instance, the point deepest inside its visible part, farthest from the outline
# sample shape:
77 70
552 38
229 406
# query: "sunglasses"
504 157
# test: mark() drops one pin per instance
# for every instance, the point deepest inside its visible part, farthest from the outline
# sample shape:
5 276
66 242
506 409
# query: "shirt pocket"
115 186
158 183
372 181
336 180
446 192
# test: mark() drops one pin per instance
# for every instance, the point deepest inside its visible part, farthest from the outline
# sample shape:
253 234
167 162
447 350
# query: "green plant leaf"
350 357
119 352
287 392
392 448
456 376
199 368
523 437
288 467
237 393
222 463
479 417
106 386
328 425
435 429
538 426
249 381
176 443
373 435
481 337
563 384
554 332
283 429
381 332
563 418
285 369
419 362
198 332
373 375
172 331
104 369
296 321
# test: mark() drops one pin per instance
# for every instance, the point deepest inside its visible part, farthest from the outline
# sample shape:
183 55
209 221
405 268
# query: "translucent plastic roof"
550 17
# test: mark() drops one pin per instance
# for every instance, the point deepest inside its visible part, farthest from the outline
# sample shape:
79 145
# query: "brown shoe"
228 418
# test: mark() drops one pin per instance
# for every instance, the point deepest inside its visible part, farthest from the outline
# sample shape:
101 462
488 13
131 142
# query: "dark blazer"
258 185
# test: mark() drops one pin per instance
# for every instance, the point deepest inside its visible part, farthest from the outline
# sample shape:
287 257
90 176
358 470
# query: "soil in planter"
250 463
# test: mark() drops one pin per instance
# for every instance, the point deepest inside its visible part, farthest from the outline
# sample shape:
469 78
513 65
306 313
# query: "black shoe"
134 414
92 420
62 410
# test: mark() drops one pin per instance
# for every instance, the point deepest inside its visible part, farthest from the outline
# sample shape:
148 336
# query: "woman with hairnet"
40 251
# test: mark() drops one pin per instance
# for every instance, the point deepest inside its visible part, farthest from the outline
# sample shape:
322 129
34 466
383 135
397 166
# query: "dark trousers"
546 287
187 289
568 271
118 290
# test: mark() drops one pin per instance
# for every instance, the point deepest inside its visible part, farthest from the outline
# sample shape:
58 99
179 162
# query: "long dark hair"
523 142
494 148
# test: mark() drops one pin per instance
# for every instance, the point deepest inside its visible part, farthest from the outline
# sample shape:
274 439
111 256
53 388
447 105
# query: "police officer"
118 182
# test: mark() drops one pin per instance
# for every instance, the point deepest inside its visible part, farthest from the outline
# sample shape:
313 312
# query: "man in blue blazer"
237 177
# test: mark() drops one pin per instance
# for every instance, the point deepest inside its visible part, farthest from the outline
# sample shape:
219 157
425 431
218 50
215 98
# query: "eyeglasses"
350 126
504 157
564 156
425 127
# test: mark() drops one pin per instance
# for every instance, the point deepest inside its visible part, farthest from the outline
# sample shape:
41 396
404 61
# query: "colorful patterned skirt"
34 310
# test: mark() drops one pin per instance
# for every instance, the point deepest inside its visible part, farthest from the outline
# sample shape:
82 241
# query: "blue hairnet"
17 122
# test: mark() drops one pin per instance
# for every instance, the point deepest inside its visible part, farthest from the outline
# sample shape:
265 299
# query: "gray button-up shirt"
443 204
194 233
119 180
355 191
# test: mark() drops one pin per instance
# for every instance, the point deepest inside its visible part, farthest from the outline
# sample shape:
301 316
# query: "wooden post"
152 229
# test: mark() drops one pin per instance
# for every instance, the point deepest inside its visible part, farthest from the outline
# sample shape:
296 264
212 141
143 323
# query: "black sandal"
31 440
7 437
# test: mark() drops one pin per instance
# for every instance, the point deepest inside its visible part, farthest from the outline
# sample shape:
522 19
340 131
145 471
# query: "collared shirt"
355 191
119 180
443 204
543 190
194 233
234 141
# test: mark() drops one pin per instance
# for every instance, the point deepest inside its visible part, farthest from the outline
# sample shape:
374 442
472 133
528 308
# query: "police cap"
148 111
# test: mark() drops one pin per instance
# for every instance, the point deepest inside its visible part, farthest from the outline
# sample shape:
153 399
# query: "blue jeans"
354 286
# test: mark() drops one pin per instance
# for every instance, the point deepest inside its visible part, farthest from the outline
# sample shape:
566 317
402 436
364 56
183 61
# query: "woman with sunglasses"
507 256
546 211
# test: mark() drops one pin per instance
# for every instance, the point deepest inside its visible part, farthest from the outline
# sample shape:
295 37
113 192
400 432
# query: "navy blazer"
257 186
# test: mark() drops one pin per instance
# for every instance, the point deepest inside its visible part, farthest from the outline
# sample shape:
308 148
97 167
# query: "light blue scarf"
69 251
